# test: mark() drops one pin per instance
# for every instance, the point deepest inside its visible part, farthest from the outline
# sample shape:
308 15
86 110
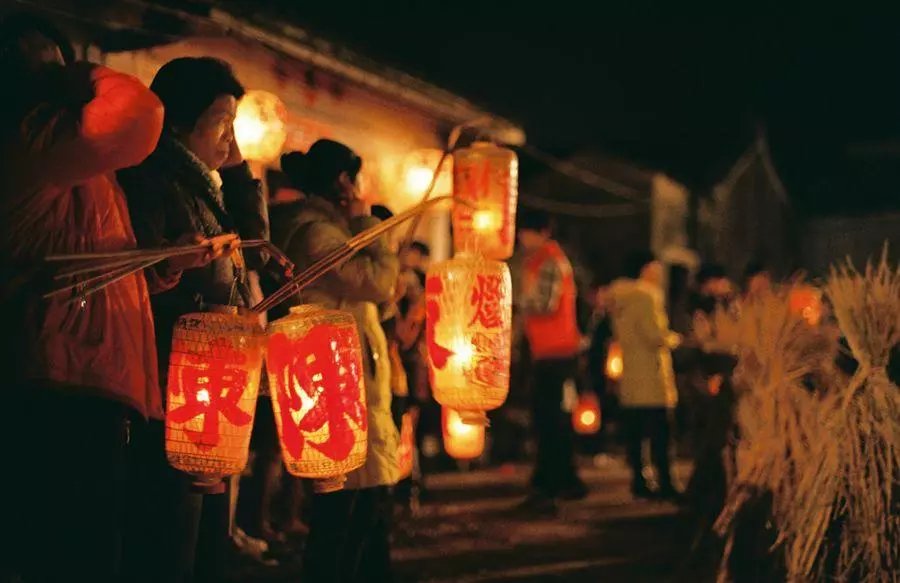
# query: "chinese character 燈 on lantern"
467 332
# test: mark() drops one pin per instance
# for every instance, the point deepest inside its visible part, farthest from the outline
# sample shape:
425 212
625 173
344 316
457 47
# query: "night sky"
678 89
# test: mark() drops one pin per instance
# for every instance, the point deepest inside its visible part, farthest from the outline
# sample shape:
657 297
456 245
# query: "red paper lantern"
806 302
468 329
486 176
462 441
318 394
586 416
614 362
211 395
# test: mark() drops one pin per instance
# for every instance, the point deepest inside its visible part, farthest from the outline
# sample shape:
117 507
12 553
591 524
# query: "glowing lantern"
461 440
614 366
316 377
486 176
806 301
407 449
213 383
260 126
586 416
418 171
468 326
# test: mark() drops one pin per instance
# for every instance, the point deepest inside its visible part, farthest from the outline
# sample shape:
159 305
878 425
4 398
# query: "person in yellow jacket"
647 392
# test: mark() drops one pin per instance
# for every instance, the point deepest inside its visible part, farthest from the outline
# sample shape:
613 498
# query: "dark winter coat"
173 194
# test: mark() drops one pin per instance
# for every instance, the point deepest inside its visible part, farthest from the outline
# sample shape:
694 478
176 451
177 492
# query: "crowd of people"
95 161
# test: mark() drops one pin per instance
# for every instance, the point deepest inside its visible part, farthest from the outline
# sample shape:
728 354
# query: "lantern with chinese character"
213 383
316 377
485 176
406 451
462 441
586 415
260 126
468 326
614 366
806 302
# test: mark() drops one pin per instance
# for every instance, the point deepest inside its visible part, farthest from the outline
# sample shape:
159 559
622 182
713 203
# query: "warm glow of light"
456 426
418 178
203 396
614 365
486 220
461 441
260 126
806 301
464 352
587 418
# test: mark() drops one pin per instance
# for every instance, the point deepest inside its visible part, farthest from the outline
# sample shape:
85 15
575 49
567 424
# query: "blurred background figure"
647 392
547 307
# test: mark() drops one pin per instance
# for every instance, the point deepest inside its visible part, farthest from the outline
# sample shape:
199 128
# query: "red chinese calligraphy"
492 367
487 295
213 383
439 355
319 378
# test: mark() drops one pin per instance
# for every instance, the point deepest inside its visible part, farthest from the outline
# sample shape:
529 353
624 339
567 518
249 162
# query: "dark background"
669 85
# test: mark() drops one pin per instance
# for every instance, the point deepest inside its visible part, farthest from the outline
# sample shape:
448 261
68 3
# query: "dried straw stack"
823 445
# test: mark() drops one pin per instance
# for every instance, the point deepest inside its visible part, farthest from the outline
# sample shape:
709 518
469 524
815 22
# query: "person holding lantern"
647 392
547 303
84 369
349 529
193 185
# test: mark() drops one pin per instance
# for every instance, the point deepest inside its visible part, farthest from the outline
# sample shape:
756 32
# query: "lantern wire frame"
329 475
195 346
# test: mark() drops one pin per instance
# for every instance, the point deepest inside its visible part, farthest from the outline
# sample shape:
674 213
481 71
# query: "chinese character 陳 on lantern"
260 126
314 362
486 177
461 440
467 331
213 382
586 417
614 364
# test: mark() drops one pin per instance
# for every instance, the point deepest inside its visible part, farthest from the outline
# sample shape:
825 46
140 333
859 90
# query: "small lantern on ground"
213 382
468 327
485 176
614 364
260 126
462 441
316 377
586 416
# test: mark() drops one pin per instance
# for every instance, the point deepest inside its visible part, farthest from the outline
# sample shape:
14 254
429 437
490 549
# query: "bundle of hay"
822 445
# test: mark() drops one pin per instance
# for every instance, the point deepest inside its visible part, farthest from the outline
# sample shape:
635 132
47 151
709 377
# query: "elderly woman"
348 538
194 185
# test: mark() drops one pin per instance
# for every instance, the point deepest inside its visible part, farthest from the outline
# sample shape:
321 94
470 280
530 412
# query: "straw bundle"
824 446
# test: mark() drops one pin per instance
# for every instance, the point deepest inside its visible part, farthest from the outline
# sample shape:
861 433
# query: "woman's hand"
213 249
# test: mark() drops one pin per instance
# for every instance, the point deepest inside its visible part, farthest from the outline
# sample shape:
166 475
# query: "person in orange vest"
547 305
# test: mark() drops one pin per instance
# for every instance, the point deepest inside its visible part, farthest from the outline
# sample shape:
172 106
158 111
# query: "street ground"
469 530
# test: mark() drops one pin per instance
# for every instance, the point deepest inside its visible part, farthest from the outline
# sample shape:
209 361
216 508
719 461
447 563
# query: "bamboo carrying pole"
343 253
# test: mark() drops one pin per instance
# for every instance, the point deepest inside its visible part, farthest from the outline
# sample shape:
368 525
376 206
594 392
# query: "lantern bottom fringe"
332 484
474 417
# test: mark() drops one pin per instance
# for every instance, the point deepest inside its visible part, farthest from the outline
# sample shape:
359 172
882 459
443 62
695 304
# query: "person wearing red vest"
547 304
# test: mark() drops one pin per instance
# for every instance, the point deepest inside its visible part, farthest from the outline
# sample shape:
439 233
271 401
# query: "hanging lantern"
419 167
486 176
316 377
407 449
614 364
260 126
586 417
468 327
211 395
462 441
806 301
